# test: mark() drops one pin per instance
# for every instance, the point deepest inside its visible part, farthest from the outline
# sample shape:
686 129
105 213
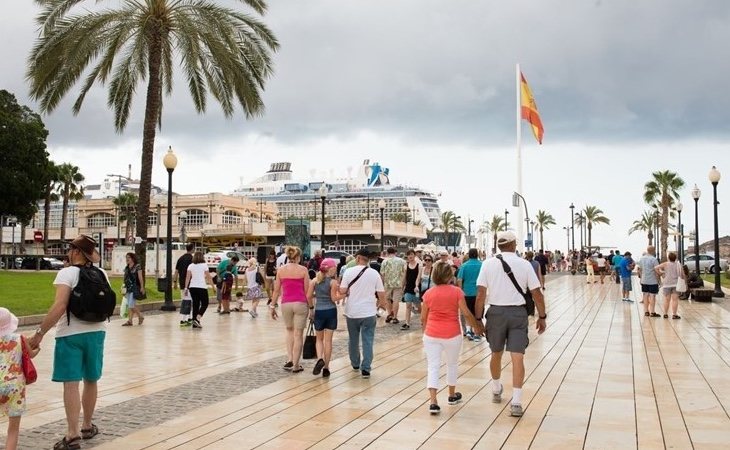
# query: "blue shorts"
626 283
79 357
410 298
325 319
131 302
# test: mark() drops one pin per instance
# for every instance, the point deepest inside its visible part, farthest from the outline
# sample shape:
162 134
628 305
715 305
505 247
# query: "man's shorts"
626 283
410 298
669 290
79 357
325 319
394 294
471 303
650 288
507 328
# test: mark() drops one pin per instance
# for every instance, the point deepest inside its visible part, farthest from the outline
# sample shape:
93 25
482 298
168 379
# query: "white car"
212 259
707 263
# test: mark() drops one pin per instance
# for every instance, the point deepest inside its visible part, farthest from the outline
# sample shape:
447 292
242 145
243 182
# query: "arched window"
101 220
196 217
231 218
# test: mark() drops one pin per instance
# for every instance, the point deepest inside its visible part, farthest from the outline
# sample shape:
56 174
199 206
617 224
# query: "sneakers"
185 323
253 313
497 396
325 373
515 410
434 409
196 324
405 326
365 374
469 335
454 399
476 338
318 367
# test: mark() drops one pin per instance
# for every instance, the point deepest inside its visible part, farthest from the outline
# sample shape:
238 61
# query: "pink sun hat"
8 322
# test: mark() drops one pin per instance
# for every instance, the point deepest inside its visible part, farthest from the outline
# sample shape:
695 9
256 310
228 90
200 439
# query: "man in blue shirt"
615 261
625 267
466 279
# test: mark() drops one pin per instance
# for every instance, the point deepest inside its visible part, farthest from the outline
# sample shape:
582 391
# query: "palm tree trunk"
46 216
151 116
664 225
590 233
64 214
542 245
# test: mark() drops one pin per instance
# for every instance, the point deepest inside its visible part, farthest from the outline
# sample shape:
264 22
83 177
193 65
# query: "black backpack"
92 300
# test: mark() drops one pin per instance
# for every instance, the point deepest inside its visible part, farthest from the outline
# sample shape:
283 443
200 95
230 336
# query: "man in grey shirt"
649 281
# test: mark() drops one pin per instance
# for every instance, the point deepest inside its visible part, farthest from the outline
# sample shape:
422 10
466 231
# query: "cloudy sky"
427 88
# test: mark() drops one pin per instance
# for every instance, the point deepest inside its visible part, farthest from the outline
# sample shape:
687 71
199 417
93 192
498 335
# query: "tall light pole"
381 207
323 196
657 229
468 233
261 210
681 235
182 216
170 162
696 196
567 236
532 233
506 224
572 226
714 177
119 194
157 243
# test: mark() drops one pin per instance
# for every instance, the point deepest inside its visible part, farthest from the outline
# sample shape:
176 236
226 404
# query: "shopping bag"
309 349
124 308
681 285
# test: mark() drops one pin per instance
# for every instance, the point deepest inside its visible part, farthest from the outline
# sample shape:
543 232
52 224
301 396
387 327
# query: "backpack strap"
356 278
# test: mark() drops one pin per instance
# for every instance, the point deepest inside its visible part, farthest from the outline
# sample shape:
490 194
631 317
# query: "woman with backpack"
134 288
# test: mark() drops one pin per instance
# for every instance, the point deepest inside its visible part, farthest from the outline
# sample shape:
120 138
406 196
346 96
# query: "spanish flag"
529 109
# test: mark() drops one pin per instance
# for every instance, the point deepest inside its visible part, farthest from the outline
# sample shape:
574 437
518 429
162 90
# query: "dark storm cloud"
437 71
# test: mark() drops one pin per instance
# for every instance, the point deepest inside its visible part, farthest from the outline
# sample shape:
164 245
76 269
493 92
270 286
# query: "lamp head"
679 207
323 190
714 175
571 205
381 204
169 160
183 214
696 193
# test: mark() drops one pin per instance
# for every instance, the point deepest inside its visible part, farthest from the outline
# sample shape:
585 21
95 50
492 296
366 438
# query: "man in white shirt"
361 284
507 317
79 351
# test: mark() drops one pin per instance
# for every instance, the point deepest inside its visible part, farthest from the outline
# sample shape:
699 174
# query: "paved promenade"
602 376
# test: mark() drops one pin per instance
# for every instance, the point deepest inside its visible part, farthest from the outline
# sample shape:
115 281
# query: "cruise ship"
351 198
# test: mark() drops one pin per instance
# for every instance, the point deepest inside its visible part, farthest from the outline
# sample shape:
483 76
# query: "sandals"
676 317
647 314
141 319
297 369
89 433
127 323
655 314
68 444
666 316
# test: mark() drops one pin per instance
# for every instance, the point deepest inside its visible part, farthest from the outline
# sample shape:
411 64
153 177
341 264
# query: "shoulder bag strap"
356 278
508 271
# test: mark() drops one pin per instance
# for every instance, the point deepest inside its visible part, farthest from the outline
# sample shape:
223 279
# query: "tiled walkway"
602 376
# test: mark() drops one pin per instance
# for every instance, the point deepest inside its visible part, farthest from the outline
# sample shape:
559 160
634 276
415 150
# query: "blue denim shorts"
79 357
325 319
410 298
626 283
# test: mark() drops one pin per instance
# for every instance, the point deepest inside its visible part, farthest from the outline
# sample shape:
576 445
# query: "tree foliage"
23 159
69 189
646 222
594 215
543 220
662 190
221 51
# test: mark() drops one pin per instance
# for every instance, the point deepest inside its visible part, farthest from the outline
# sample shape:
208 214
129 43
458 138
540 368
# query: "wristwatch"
542 317
272 306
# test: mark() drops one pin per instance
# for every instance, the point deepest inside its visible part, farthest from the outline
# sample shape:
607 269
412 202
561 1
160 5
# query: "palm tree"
580 221
127 206
496 225
645 223
49 196
594 214
221 50
662 190
451 222
69 188
544 220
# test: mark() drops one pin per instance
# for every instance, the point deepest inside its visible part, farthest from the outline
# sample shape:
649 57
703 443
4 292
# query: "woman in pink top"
289 284
442 331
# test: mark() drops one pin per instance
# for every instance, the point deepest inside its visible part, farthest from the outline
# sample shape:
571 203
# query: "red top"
443 311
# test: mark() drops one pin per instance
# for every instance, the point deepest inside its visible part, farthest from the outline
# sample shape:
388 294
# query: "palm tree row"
662 193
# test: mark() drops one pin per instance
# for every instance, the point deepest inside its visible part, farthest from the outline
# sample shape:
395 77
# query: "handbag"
185 306
529 302
681 281
31 375
124 308
309 349
138 295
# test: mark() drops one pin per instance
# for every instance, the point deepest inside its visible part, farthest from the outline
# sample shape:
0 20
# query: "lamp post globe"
170 162
381 207
696 197
714 177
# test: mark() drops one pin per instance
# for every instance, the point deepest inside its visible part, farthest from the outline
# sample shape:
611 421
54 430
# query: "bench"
702 295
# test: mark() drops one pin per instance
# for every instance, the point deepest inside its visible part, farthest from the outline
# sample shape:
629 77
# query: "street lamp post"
157 244
696 196
119 194
532 233
572 226
183 236
567 236
468 233
714 177
170 162
323 196
681 235
506 224
261 210
381 206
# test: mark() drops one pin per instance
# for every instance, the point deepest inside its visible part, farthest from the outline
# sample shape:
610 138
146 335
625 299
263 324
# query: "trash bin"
162 284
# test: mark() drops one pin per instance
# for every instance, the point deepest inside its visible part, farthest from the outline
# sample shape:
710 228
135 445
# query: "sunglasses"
428 260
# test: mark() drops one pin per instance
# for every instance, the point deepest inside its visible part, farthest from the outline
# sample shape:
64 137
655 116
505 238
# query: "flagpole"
520 219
